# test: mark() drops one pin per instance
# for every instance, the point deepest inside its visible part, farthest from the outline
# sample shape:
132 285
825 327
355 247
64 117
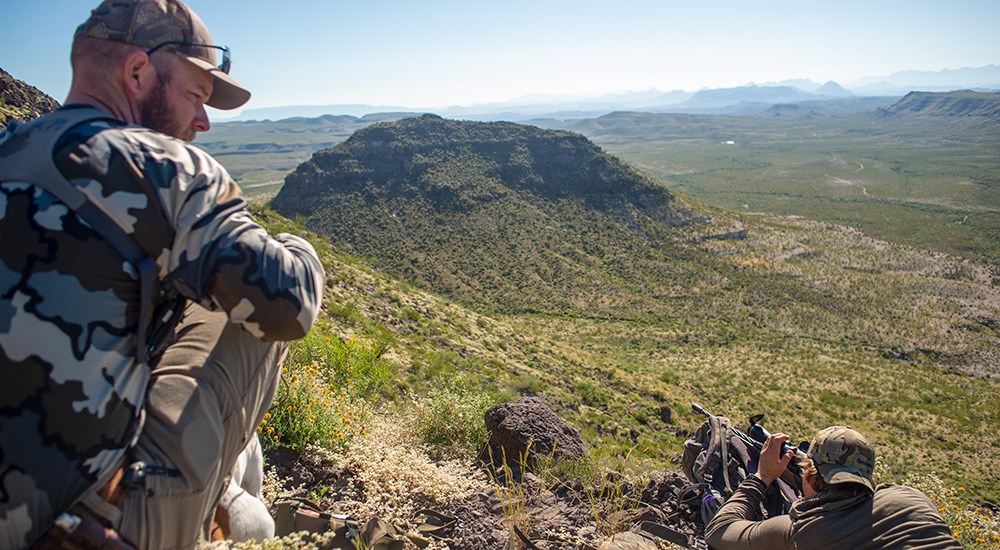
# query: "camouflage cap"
152 23
843 455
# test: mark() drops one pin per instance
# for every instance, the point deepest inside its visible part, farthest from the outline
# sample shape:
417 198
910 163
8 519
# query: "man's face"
176 105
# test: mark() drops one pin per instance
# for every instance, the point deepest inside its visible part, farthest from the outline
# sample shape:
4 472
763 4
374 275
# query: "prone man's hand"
772 464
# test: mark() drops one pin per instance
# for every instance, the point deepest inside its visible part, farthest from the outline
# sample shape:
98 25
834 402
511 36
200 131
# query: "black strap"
35 164
434 521
525 541
666 533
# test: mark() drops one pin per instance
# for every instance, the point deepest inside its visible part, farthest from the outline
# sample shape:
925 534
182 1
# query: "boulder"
666 414
528 428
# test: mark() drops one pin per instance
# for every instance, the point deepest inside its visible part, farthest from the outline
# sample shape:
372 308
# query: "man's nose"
201 122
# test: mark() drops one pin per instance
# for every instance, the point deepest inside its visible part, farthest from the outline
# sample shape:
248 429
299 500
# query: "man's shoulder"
901 496
893 489
150 151
149 142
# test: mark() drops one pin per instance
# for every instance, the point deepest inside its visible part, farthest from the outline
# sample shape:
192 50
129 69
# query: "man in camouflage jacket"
841 507
85 429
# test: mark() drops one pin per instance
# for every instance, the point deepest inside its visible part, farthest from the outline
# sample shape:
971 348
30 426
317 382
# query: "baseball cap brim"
226 92
835 473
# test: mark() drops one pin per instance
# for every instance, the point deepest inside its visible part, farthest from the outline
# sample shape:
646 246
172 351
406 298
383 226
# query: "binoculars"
760 434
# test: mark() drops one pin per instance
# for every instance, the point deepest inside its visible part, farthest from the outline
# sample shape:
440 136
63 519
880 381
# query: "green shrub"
325 388
591 393
307 411
450 420
527 384
339 361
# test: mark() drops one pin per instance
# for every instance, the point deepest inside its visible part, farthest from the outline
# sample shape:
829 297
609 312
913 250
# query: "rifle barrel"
697 408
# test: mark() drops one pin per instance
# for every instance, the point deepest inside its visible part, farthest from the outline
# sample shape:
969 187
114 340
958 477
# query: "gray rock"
665 414
528 428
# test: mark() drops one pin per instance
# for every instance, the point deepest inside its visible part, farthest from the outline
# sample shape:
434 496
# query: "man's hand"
771 464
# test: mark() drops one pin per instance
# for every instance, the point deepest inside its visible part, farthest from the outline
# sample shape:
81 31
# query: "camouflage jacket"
71 396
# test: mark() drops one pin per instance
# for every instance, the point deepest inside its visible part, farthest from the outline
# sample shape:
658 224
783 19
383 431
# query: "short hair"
94 56
89 54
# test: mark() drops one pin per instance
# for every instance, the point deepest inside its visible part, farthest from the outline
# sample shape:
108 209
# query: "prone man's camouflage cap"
168 25
843 455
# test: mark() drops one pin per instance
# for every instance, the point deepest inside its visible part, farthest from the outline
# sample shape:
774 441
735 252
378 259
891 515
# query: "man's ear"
139 74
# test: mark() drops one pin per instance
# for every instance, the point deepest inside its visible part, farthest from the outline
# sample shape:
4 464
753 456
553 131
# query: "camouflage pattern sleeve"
220 257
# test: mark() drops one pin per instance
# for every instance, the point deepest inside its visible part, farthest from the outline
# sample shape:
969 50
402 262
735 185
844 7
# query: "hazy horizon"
445 53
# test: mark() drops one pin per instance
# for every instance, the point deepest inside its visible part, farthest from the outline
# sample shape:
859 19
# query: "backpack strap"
718 450
667 533
34 144
725 435
434 522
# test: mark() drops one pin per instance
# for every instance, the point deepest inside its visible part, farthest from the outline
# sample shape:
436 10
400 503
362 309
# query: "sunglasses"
201 51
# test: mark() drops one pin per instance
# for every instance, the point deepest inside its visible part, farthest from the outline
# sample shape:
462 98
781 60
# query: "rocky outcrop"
21 101
529 428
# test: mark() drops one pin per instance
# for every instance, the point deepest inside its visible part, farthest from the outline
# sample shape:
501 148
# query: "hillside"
811 322
964 104
613 379
21 101
817 324
507 216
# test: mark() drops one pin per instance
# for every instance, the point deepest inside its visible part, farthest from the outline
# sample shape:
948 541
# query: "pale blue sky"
435 53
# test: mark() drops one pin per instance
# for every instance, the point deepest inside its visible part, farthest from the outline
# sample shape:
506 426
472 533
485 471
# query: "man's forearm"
739 523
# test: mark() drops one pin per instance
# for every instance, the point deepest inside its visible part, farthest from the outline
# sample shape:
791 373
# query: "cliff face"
21 101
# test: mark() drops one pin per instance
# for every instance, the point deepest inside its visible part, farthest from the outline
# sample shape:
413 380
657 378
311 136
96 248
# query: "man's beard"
155 113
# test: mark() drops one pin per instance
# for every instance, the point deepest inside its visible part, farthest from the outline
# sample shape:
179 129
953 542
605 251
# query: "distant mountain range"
976 78
751 99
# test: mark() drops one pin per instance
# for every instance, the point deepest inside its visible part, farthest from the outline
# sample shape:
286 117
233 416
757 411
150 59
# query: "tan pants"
207 395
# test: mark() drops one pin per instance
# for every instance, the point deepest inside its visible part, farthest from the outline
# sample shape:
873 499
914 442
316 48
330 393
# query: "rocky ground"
387 473
559 517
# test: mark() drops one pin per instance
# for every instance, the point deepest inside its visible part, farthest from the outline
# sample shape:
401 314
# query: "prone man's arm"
739 523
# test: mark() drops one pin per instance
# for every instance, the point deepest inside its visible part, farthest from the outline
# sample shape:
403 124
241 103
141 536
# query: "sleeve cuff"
754 485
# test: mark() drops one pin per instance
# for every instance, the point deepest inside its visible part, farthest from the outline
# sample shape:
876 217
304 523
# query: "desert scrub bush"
976 527
326 386
393 477
338 361
450 420
308 410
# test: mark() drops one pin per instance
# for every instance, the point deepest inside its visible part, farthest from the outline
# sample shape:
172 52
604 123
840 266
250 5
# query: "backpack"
716 461
34 143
